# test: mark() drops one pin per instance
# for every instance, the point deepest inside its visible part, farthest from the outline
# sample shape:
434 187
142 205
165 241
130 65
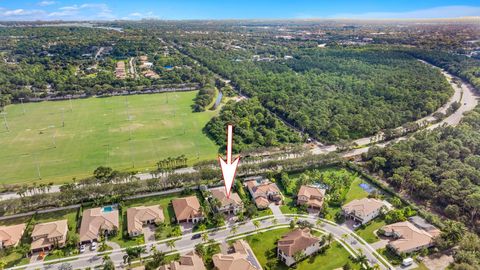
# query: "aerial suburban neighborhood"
239 135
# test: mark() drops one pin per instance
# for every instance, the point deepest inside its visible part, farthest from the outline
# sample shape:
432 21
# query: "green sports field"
97 132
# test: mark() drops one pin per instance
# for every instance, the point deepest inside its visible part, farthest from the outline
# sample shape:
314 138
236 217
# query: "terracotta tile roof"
363 207
11 235
48 230
410 237
221 195
186 208
234 261
314 196
261 201
94 220
136 216
189 261
296 240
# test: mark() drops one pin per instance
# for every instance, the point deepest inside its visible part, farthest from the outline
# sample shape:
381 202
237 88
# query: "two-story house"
187 209
46 236
298 241
227 205
311 196
263 192
363 210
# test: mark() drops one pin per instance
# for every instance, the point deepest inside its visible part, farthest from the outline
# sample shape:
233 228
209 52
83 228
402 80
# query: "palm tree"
2 264
274 221
234 229
319 223
105 258
204 237
171 244
329 238
256 223
202 227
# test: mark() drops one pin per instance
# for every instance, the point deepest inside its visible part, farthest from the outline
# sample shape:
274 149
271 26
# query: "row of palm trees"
34 189
169 164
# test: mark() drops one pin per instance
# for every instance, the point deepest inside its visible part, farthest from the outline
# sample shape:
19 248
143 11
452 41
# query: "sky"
27 10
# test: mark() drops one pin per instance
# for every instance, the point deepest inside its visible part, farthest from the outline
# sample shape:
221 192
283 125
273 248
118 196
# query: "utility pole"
23 106
70 100
5 121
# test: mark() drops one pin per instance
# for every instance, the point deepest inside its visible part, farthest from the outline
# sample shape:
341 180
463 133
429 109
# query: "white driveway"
149 233
275 209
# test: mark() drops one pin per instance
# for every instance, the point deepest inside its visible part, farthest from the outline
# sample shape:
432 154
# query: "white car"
93 247
82 248
356 225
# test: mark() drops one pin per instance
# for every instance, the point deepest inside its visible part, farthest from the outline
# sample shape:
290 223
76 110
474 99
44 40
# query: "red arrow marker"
229 169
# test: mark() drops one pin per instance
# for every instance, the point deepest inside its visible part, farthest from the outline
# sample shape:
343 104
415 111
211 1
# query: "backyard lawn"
264 247
125 133
367 233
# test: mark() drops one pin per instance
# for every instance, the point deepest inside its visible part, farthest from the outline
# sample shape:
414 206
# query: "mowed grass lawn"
265 249
97 132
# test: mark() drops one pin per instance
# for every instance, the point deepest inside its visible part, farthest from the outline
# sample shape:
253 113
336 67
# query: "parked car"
356 225
196 236
82 248
93 247
407 262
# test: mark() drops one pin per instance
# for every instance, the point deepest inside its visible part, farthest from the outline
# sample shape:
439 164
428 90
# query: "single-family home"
189 261
10 235
408 238
363 210
296 242
97 222
240 257
311 196
227 205
263 192
139 216
187 209
46 236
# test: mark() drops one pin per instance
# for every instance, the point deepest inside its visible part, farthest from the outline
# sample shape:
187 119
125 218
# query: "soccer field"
125 133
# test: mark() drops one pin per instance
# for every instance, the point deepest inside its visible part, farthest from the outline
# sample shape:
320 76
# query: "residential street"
186 243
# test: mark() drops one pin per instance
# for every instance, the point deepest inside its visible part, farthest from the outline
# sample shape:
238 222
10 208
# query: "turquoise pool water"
107 209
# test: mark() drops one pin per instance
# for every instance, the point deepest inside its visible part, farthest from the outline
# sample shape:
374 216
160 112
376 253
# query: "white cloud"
83 12
19 14
46 3
135 14
436 12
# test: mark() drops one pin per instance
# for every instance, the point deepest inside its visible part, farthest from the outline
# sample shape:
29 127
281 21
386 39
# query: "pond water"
367 187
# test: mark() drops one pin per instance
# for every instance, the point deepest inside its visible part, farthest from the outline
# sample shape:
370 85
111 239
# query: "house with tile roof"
10 235
97 222
363 210
295 242
408 238
241 257
46 236
189 261
140 216
232 205
187 209
263 192
311 196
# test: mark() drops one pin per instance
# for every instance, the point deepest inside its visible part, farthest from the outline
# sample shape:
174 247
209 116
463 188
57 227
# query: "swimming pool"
107 209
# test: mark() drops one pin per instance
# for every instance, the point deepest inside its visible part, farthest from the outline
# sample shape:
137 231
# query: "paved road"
465 94
185 243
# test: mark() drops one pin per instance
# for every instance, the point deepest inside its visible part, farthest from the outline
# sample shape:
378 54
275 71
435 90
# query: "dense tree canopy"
254 126
333 94
439 167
